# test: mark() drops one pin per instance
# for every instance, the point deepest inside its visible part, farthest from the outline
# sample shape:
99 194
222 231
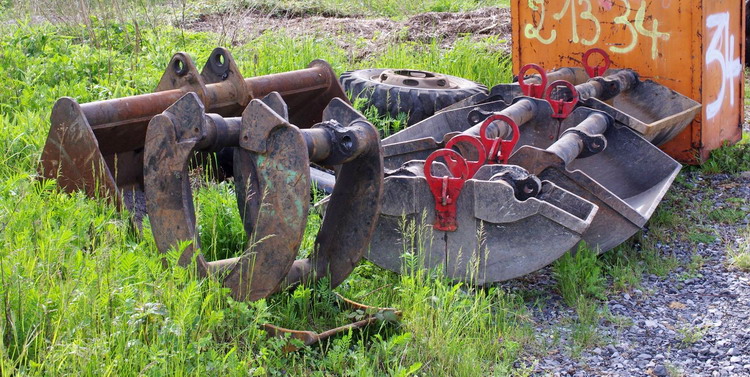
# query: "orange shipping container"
695 47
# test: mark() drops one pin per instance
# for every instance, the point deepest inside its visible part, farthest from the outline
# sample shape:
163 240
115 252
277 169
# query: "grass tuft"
579 275
739 256
730 159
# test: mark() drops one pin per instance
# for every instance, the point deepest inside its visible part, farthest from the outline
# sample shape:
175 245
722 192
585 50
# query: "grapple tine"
272 182
72 156
352 211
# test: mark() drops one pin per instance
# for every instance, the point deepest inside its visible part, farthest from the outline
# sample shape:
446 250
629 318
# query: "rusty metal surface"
118 126
72 155
311 337
272 182
353 208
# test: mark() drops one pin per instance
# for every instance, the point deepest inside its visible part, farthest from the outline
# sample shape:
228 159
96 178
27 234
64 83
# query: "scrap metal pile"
499 184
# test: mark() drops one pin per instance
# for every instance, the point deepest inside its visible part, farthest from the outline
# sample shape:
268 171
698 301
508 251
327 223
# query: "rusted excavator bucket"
500 224
272 181
609 165
98 147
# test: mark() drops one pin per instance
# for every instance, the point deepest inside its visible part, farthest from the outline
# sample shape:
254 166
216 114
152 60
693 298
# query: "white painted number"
721 50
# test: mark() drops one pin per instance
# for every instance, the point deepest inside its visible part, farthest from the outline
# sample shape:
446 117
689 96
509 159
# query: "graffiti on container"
580 12
721 50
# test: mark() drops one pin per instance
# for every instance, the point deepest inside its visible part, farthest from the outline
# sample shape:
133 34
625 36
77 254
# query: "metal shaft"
521 112
141 108
220 133
605 88
565 74
571 144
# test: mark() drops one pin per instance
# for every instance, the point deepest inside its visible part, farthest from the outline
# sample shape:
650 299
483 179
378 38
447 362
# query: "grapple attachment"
272 181
98 147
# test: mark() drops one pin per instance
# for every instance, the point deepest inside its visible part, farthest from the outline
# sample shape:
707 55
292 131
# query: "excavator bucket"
505 222
608 164
654 111
98 147
581 151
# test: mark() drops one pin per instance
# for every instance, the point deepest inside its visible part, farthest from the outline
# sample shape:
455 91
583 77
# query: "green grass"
83 292
731 159
623 266
739 255
578 275
689 335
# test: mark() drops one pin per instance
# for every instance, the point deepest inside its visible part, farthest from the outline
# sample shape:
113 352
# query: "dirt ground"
361 35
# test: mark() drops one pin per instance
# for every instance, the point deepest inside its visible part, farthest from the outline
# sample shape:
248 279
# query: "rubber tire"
419 103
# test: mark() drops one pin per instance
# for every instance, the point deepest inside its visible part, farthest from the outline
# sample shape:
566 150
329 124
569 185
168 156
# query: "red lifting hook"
446 189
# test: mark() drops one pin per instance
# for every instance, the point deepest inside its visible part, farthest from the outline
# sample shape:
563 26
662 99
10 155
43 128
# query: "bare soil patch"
361 36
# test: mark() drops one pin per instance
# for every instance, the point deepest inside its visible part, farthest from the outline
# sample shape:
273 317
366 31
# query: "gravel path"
692 322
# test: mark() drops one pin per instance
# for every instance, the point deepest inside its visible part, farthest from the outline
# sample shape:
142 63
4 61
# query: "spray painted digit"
721 50
654 33
531 31
573 19
587 15
623 20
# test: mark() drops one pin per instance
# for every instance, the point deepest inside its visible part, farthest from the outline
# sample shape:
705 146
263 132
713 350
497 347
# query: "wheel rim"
411 78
